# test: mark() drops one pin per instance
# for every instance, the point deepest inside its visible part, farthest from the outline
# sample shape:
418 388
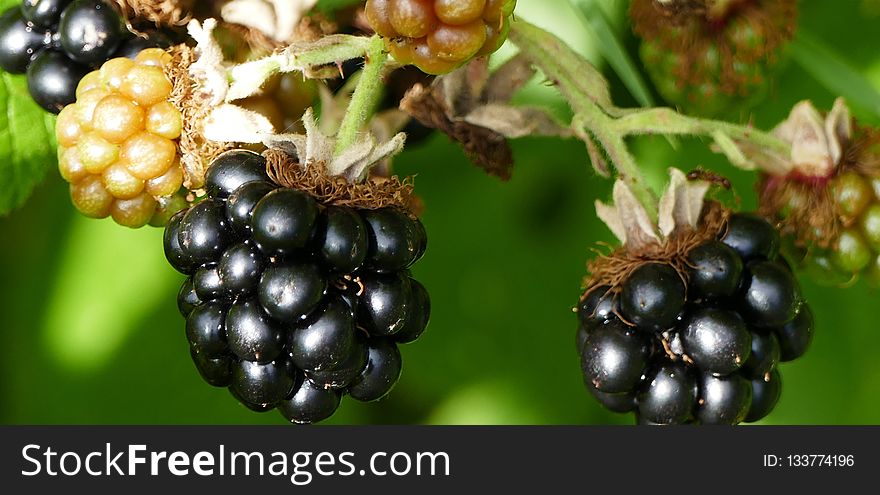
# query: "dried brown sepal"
614 269
309 29
804 207
314 27
471 105
259 44
488 149
158 12
195 150
691 27
374 193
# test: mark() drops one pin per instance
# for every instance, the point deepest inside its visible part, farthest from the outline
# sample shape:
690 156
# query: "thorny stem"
366 94
596 117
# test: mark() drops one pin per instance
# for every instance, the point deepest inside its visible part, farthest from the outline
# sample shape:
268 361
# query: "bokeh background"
90 332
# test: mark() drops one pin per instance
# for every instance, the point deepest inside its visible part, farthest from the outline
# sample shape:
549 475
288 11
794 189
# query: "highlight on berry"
278 145
688 323
290 301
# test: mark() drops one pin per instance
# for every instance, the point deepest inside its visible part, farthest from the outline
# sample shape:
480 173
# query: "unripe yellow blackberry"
117 144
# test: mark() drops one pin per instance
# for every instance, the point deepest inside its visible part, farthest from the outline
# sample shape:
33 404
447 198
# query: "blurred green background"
91 334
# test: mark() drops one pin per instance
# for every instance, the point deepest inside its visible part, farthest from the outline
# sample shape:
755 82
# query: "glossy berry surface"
240 268
343 374
206 329
652 297
765 394
216 372
282 221
716 340
381 373
310 403
751 237
290 291
232 170
19 42
90 31
57 42
613 358
203 234
240 206
262 384
698 340
723 400
52 79
418 314
280 304
44 13
796 336
438 36
619 403
135 44
342 239
385 302
764 356
668 394
597 307
714 270
395 241
771 295
327 341
252 334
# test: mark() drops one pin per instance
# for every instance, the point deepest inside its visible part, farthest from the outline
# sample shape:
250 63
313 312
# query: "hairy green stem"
327 50
365 96
668 121
614 145
598 120
587 92
579 81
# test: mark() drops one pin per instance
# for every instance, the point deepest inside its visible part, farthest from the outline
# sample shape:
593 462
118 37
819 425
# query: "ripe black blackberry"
291 302
56 42
690 329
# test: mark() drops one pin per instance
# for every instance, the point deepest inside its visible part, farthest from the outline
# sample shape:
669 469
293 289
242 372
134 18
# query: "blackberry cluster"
438 36
291 303
117 145
713 58
705 351
56 42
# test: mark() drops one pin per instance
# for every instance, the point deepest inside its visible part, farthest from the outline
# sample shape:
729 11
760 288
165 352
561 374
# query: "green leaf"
326 6
834 72
27 142
613 51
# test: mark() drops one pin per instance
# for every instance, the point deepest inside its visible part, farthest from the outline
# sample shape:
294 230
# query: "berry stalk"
669 122
365 96
587 91
601 124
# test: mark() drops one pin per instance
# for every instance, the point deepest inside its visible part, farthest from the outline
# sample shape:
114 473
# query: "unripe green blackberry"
117 145
712 58
831 221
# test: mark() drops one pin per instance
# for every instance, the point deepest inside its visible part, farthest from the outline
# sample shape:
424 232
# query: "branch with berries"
257 133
